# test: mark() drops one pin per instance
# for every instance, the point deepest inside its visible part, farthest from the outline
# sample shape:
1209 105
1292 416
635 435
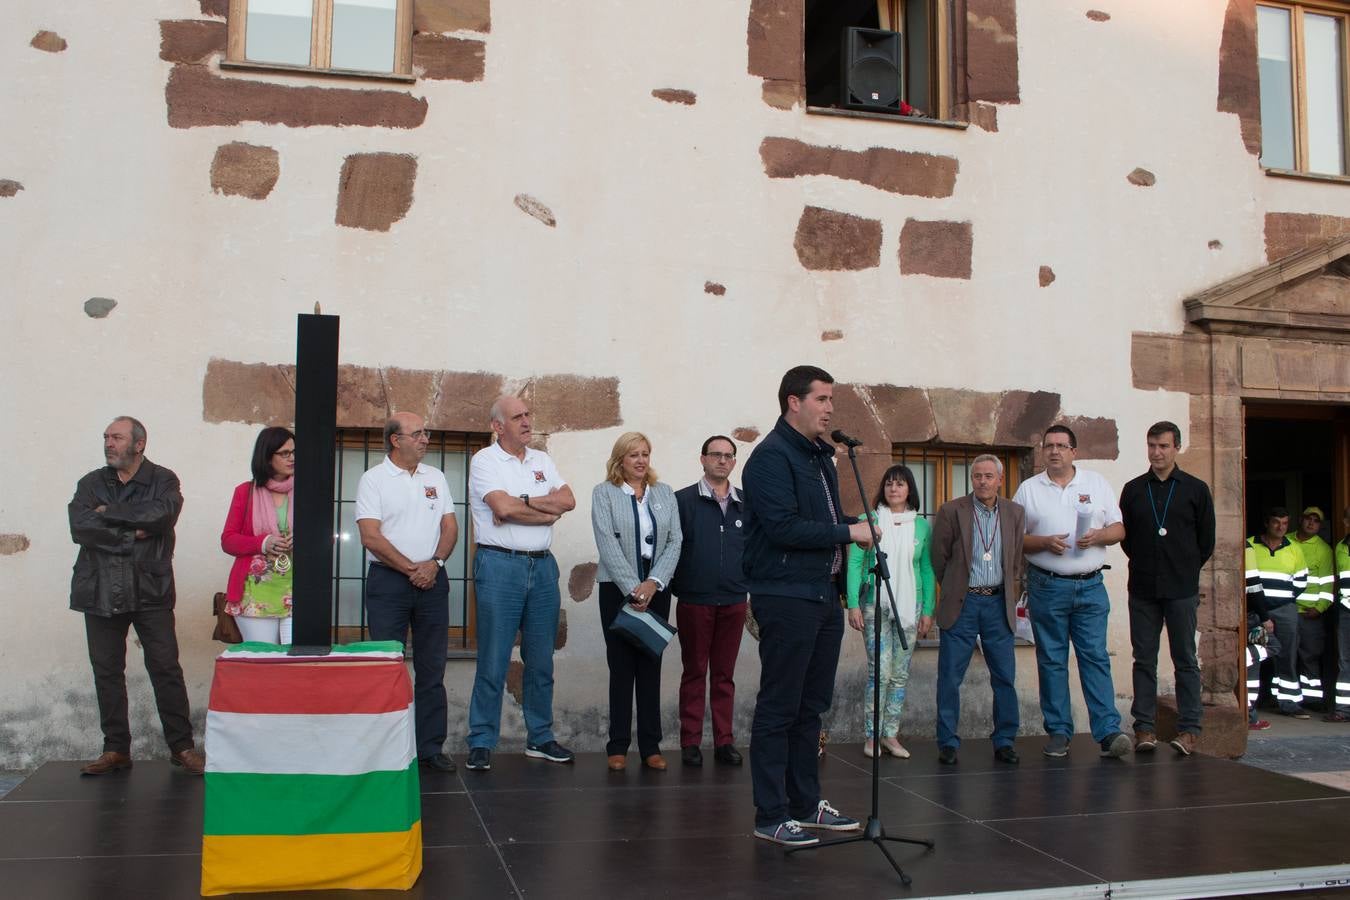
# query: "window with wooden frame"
1301 55
342 37
359 449
918 51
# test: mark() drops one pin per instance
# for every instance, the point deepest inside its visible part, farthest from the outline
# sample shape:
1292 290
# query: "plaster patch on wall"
894 171
939 249
190 40
1239 79
452 15
13 543
746 434
1142 178
712 287
531 206
1046 276
375 190
245 170
439 57
1288 233
99 307
48 42
675 95
581 581
197 97
9 187
991 51
834 241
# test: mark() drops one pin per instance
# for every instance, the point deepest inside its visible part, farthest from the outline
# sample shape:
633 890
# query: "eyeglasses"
420 434
1060 447
285 454
720 456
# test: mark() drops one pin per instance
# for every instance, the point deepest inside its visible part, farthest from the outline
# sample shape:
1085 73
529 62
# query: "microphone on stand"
840 438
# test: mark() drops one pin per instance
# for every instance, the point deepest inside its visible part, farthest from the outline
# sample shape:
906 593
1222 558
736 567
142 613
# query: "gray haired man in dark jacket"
122 517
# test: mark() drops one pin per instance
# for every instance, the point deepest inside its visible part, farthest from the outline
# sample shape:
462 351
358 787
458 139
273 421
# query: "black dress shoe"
947 756
440 762
1006 754
691 756
728 754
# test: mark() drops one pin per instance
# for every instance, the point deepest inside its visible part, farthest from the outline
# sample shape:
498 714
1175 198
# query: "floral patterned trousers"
894 667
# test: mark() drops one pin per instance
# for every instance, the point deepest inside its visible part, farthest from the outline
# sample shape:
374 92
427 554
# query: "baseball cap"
1315 511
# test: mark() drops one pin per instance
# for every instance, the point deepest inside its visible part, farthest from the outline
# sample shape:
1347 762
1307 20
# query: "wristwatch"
526 498
440 563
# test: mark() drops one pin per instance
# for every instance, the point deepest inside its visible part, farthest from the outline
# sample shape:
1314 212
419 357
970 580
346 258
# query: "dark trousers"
392 605
1147 617
985 618
629 667
1286 687
1312 642
798 654
1342 689
710 641
107 637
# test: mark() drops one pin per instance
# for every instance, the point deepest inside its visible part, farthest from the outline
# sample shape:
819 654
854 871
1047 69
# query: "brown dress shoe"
192 761
618 762
1185 743
110 761
655 761
1145 741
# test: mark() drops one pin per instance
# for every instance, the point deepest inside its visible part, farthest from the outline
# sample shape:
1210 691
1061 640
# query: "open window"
347 37
1301 53
884 56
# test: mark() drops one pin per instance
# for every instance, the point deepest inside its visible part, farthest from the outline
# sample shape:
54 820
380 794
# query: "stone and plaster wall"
641 237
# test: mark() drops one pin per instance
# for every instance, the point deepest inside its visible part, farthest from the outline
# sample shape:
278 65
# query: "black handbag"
645 630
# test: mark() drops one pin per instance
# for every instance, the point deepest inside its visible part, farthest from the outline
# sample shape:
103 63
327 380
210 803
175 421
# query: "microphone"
840 438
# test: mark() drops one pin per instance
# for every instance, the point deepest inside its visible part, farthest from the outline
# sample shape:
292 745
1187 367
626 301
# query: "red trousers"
710 639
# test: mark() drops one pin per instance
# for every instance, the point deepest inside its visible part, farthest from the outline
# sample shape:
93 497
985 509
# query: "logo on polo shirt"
1084 498
430 491
538 476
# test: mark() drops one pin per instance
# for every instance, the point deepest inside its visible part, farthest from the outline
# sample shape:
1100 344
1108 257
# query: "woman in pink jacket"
257 534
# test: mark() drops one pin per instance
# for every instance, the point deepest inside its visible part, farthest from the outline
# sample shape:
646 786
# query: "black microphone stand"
874 832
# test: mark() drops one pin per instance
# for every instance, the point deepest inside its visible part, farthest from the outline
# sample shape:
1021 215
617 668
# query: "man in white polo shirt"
408 527
515 495
1072 517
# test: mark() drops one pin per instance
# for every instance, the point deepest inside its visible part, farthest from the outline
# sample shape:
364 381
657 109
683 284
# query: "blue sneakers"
826 817
552 751
788 833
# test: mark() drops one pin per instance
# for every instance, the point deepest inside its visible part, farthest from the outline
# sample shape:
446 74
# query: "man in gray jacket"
123 517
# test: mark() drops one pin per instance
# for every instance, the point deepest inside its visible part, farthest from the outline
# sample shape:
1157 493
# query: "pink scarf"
265 509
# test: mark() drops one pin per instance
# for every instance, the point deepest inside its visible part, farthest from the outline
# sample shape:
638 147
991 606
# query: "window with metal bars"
359 449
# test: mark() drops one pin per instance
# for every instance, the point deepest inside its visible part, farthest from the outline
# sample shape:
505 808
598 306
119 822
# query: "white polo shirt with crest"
409 505
493 469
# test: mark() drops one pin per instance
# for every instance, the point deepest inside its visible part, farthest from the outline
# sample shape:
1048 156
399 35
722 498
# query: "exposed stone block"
1046 276
375 190
1098 438
1142 178
712 287
676 95
853 413
48 42
832 334
904 412
9 187
217 8
964 417
1216 245
940 249
13 543
452 15
530 206
894 171
438 57
1023 416
581 581
746 434
834 241
1170 362
1288 233
253 393
573 402
781 94
1098 15
245 170
991 50
190 40
362 401
99 307
197 97
774 37
464 400
1225 728
1239 80
515 679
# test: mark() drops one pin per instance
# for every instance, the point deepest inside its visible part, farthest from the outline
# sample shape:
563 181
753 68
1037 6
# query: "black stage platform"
1157 825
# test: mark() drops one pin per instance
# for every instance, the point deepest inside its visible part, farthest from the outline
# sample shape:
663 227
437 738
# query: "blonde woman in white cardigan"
637 532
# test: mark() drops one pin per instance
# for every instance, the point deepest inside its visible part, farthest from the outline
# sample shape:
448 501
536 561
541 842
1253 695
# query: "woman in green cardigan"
904 539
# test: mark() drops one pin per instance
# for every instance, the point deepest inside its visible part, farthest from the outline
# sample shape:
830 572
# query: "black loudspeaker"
870 75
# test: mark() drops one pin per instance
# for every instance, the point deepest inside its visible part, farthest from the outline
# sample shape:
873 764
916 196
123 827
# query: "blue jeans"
987 618
1065 610
514 594
392 605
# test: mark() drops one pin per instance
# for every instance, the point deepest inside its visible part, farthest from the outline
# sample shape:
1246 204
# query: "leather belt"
1081 576
986 591
532 554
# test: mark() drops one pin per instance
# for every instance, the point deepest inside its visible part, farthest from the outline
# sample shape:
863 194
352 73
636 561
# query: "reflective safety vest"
1281 575
1343 570
1321 577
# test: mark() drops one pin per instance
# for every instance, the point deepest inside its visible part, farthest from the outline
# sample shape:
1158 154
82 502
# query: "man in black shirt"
1169 535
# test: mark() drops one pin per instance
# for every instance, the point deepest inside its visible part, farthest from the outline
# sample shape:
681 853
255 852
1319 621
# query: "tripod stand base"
875 833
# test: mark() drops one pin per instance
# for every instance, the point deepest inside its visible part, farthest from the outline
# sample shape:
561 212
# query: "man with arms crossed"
1168 516
408 527
515 495
795 540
